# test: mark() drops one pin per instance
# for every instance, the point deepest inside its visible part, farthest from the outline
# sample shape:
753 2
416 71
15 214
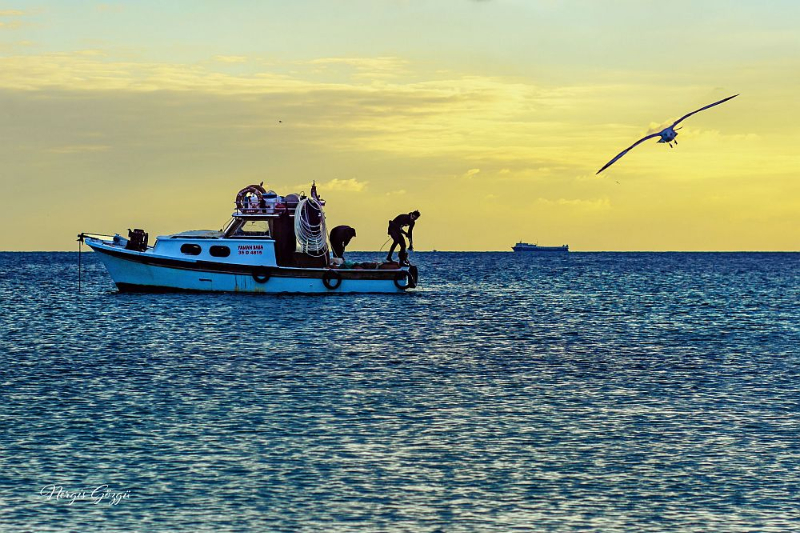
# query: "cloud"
90 70
79 148
110 8
595 204
230 59
374 67
71 117
471 173
502 129
655 127
476 118
11 13
349 185
718 135
90 53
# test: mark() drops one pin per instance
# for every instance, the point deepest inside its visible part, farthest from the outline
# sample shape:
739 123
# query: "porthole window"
220 251
191 249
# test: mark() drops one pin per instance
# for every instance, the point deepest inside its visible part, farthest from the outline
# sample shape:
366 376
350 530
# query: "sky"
491 117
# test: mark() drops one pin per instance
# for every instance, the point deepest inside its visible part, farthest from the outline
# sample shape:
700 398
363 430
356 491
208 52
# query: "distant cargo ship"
525 247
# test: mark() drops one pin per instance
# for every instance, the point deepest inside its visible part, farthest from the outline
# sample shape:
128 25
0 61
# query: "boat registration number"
251 249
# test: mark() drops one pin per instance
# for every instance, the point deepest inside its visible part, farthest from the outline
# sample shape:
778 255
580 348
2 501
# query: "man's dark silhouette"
340 238
396 232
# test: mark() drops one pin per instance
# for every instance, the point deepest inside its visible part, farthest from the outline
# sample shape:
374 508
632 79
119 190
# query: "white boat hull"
141 272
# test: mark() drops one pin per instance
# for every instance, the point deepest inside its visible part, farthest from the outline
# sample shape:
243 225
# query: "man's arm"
410 238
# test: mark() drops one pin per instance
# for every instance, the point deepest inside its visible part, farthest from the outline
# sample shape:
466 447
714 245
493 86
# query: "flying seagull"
667 135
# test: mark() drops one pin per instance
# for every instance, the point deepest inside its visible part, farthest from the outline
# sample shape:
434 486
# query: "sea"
610 392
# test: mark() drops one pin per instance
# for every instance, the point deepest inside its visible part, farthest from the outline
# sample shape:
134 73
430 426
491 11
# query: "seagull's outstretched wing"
628 149
702 108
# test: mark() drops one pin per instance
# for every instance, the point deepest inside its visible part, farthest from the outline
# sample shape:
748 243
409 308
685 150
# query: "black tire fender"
261 275
414 276
331 279
400 277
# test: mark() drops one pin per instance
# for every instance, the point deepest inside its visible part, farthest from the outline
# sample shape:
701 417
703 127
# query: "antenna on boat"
80 249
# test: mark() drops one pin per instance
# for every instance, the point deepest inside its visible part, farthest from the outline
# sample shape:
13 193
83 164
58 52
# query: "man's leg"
402 255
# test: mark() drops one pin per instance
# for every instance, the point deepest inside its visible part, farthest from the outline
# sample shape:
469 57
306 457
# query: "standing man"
396 232
340 238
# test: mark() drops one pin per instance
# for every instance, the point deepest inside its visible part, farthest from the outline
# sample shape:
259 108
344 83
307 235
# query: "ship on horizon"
526 247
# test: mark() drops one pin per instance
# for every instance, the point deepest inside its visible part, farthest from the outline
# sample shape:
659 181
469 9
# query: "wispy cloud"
230 59
92 52
592 204
110 8
365 67
78 148
86 70
349 185
11 14
471 173
506 129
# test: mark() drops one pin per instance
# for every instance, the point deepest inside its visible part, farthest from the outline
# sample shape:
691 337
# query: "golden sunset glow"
490 117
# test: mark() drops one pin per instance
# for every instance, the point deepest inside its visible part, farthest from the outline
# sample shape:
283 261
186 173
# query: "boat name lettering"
251 249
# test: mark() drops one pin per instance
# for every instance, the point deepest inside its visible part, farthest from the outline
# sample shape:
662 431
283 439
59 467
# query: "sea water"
549 392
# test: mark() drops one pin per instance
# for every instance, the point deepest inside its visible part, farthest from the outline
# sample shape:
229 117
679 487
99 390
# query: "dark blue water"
581 392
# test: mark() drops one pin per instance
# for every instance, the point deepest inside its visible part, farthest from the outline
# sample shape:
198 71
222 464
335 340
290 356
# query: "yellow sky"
489 117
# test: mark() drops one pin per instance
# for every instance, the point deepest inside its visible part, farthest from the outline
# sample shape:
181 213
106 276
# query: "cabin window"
225 229
253 228
220 251
191 249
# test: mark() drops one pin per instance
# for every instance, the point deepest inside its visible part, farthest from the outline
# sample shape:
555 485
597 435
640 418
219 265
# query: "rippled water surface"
581 392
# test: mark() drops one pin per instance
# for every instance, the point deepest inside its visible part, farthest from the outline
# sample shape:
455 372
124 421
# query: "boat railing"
97 236
263 211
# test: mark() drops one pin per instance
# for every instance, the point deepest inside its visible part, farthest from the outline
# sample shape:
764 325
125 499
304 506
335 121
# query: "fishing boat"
272 244
526 247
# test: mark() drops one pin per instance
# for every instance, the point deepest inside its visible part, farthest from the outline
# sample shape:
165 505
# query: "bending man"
340 238
396 232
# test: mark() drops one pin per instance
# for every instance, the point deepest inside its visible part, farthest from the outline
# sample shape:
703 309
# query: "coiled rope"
313 238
